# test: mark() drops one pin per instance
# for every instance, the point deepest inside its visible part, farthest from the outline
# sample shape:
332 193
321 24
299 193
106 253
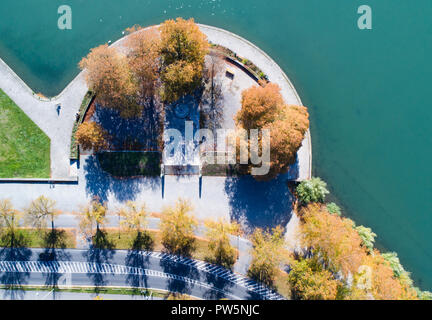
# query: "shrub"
91 135
333 208
313 190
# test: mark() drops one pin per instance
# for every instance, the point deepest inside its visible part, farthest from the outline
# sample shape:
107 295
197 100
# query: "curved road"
120 268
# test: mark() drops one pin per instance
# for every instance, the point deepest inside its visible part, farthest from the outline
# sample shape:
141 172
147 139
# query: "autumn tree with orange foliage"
287 134
263 108
377 281
310 281
261 105
91 135
183 49
333 238
267 254
143 58
109 76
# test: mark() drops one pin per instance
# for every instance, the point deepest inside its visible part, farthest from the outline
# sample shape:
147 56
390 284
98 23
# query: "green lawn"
130 164
124 240
24 148
34 238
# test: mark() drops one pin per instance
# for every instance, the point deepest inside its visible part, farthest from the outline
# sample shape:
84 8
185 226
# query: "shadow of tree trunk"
14 250
54 242
102 251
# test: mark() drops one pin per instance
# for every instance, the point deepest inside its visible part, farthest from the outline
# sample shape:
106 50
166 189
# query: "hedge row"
87 101
245 63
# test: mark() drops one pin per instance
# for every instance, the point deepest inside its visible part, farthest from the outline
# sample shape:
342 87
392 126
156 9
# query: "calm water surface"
368 92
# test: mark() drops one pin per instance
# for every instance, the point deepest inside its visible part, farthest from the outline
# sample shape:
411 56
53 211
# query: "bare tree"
40 211
9 219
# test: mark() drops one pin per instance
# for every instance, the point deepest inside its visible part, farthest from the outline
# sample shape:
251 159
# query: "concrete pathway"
248 50
252 203
43 112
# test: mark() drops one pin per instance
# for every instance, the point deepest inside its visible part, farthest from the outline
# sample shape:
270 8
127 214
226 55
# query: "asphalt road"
120 268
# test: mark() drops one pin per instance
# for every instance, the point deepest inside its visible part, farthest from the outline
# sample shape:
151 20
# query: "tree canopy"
183 49
218 233
310 281
333 208
313 190
177 228
108 75
267 254
40 211
367 236
263 107
90 135
134 216
93 214
333 238
143 59
9 217
340 248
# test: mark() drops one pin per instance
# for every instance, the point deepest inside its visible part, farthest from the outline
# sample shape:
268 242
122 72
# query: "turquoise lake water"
368 92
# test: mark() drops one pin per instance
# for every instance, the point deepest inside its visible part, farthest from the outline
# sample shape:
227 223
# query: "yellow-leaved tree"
183 49
90 135
333 238
218 233
40 211
310 281
177 228
267 254
135 218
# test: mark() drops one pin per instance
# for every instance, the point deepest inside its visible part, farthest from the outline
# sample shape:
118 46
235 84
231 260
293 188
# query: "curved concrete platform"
58 127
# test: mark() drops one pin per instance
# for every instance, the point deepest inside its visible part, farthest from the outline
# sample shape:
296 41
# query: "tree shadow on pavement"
55 245
263 204
136 259
125 189
222 287
14 250
102 251
99 183
178 269
140 133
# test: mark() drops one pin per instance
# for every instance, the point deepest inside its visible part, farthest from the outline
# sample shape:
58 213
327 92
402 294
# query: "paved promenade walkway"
43 112
248 50
58 126
255 204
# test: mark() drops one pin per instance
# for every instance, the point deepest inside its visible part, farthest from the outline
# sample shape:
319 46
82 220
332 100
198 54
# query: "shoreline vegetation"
339 260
